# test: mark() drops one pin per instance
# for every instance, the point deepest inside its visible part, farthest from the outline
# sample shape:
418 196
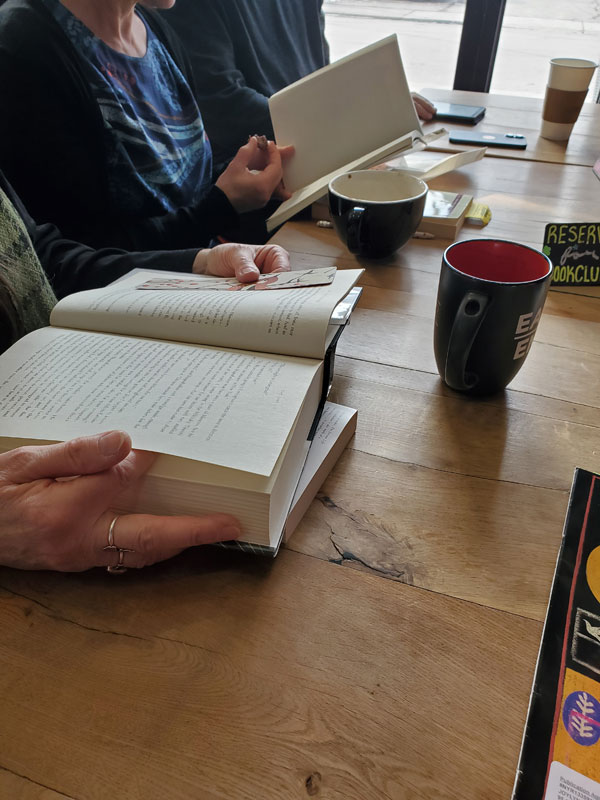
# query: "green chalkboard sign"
574 249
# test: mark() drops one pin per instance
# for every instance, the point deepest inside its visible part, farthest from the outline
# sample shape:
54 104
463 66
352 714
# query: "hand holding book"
232 425
255 175
63 524
246 262
75 536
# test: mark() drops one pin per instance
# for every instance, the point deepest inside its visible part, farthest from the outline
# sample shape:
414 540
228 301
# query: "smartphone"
455 112
515 141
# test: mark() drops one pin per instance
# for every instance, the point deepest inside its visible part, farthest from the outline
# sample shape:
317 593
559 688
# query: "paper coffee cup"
565 93
571 74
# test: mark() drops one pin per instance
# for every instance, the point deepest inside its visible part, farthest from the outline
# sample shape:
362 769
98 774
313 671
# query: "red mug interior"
498 261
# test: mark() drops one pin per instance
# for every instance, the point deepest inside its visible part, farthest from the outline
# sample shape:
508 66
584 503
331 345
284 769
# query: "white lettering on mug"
524 333
523 323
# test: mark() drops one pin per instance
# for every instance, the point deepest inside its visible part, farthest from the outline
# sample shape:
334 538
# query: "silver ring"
119 567
111 534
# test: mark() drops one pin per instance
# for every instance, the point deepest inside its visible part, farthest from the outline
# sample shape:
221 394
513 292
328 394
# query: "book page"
428 164
333 421
290 321
231 408
342 112
313 191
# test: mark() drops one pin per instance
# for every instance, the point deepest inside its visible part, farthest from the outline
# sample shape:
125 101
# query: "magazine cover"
560 754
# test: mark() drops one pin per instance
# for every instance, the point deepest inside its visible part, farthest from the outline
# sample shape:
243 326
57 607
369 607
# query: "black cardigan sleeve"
73 267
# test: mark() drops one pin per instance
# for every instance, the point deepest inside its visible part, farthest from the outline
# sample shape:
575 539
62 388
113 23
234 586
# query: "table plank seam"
510 154
490 402
371 573
573 291
474 476
37 783
52 614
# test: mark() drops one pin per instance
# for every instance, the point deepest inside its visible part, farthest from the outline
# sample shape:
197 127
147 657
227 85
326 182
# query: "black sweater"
52 146
73 267
242 52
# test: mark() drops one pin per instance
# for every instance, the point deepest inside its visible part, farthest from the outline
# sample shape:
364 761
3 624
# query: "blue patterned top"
159 156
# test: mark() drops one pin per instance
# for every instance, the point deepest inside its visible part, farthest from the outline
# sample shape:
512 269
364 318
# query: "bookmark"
276 280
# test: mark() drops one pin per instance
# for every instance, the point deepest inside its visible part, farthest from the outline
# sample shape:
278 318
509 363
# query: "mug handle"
467 322
354 226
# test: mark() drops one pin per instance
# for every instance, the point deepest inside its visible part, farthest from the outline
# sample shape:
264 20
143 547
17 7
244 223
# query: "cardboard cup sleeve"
562 106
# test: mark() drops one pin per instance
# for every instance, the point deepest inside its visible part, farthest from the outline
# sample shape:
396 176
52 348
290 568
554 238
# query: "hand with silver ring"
119 567
47 522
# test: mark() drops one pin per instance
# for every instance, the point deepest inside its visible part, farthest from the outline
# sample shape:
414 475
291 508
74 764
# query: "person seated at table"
102 135
68 266
244 51
65 525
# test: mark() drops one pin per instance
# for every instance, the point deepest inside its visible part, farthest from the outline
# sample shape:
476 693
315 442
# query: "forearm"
73 267
190 227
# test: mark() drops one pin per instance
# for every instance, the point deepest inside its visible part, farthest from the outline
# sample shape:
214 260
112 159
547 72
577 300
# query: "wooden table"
388 652
522 115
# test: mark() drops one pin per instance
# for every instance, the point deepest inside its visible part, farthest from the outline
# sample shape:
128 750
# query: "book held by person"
224 385
350 114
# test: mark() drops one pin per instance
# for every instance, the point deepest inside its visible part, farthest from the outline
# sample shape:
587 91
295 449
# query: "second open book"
226 385
348 115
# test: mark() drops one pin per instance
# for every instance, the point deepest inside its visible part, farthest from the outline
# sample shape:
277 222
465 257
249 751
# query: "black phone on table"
515 141
456 112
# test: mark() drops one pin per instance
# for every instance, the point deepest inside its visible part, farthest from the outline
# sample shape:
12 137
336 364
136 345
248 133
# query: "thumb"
83 456
246 269
286 152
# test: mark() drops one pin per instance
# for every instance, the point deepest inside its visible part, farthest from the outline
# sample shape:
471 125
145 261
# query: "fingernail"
111 443
231 532
249 271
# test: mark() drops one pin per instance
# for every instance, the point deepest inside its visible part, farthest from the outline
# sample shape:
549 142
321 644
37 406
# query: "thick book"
336 427
225 385
348 115
560 753
443 216
444 213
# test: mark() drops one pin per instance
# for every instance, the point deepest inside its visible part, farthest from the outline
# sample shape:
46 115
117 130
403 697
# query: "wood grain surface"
388 652
505 113
217 676
16 787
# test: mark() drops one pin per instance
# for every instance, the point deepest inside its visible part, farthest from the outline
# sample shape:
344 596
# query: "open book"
226 385
348 115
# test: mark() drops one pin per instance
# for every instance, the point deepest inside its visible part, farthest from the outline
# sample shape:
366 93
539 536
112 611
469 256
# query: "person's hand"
63 524
255 175
424 107
243 261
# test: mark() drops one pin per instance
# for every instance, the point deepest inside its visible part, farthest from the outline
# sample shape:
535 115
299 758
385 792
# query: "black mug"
490 298
376 211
